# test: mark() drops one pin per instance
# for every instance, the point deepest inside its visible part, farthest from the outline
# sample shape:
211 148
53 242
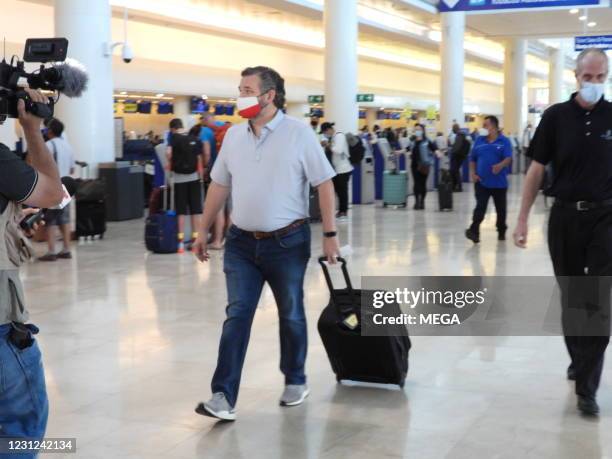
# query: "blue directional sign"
446 6
602 42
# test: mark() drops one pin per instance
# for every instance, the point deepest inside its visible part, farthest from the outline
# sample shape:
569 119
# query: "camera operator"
23 398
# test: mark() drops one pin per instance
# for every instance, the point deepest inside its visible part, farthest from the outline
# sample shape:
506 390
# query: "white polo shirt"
270 175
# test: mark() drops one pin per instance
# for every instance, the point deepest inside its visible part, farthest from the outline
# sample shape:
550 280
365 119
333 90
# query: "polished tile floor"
130 340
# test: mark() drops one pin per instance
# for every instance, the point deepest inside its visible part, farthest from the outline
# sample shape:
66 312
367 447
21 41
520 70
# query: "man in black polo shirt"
576 137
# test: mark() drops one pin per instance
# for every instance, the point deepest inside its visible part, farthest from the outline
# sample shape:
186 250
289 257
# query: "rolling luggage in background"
373 359
395 188
315 209
90 200
161 228
445 191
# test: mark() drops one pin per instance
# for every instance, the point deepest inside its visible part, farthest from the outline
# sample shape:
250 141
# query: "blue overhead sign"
602 42
446 6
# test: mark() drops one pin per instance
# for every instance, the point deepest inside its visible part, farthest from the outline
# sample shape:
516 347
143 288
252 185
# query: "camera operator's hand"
27 212
28 121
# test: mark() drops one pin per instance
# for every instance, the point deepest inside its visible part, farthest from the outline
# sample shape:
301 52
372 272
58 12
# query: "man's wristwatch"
330 233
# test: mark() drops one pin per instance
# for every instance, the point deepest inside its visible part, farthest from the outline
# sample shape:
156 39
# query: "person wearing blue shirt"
207 136
489 161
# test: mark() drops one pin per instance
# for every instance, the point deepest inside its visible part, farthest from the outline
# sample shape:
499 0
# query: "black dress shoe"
588 406
501 236
571 373
472 236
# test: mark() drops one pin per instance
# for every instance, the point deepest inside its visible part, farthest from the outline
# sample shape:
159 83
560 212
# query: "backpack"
220 132
356 149
184 154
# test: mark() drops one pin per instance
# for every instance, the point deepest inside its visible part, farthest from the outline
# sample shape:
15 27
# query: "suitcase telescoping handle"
330 285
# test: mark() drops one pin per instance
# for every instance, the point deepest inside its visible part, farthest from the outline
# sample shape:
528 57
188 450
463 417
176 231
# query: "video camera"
67 78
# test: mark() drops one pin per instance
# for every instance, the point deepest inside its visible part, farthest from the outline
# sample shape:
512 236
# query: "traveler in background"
366 139
420 165
475 134
207 136
269 163
527 136
63 156
341 160
524 144
576 138
314 123
442 153
459 152
377 132
489 167
184 155
404 141
24 406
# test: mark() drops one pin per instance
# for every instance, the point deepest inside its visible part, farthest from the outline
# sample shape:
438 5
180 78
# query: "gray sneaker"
294 395
217 407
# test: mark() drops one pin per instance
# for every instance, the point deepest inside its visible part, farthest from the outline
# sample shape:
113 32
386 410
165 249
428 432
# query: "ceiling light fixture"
591 24
161 94
574 11
582 18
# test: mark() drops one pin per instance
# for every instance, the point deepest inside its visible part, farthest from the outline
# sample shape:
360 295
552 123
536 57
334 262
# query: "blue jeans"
24 407
248 263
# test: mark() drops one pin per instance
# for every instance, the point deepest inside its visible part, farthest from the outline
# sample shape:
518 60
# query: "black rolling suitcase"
90 200
372 359
445 191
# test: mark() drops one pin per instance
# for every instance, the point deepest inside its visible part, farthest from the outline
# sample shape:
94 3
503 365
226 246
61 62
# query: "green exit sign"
365 97
319 99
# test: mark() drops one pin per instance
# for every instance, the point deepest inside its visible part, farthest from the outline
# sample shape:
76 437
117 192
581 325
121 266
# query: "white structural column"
182 110
515 79
556 67
340 19
452 57
89 119
299 110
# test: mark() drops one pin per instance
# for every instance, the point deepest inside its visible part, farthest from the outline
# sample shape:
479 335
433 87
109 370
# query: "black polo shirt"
578 142
17 179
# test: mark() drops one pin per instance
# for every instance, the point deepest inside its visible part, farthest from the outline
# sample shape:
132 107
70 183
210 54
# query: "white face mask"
592 92
484 131
418 134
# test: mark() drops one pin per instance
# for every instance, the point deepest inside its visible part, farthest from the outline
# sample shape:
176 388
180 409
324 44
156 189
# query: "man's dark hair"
56 127
270 79
176 123
195 130
493 119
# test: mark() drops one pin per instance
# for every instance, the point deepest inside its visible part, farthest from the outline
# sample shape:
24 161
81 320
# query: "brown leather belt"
278 232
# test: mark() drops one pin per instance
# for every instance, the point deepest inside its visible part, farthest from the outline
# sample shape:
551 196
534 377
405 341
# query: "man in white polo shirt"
269 164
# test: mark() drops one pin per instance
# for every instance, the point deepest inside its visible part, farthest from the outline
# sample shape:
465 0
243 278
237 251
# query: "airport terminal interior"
130 338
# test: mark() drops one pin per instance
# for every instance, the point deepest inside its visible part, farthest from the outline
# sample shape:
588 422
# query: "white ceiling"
541 24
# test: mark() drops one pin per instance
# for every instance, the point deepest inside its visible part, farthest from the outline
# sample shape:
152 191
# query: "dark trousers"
483 194
420 184
580 245
248 264
455 170
341 182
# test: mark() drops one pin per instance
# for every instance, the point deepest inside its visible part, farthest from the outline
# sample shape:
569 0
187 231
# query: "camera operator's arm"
47 190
